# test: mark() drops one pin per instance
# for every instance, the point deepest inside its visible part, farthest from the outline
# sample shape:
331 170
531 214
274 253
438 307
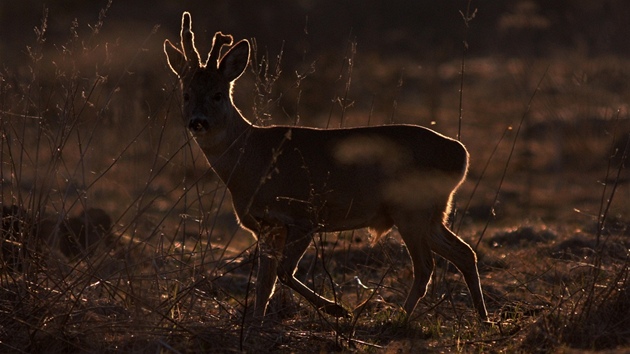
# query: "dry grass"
117 237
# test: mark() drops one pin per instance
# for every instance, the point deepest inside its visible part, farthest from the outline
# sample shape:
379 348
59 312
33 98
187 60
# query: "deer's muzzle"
198 125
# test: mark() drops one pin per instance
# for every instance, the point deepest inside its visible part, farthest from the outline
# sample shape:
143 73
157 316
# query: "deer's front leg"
270 245
296 244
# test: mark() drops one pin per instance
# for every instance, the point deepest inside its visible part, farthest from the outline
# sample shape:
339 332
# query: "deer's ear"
174 57
235 61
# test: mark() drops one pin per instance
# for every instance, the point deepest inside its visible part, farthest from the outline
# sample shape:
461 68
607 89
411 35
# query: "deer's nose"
198 125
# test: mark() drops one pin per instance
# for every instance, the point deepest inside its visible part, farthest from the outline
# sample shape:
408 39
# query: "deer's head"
206 86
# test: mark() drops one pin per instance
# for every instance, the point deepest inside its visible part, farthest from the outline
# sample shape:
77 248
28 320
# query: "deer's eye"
217 97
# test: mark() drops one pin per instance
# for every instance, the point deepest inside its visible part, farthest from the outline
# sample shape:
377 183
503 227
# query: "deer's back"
389 149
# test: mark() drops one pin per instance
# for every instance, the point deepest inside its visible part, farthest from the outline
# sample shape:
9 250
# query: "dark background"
416 28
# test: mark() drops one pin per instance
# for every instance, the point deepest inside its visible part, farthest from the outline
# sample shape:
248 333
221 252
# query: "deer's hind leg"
415 230
448 245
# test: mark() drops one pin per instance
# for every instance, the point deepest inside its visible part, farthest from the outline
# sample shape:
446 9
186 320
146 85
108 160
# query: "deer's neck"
223 147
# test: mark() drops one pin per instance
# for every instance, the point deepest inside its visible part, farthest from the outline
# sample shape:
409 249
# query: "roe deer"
289 182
